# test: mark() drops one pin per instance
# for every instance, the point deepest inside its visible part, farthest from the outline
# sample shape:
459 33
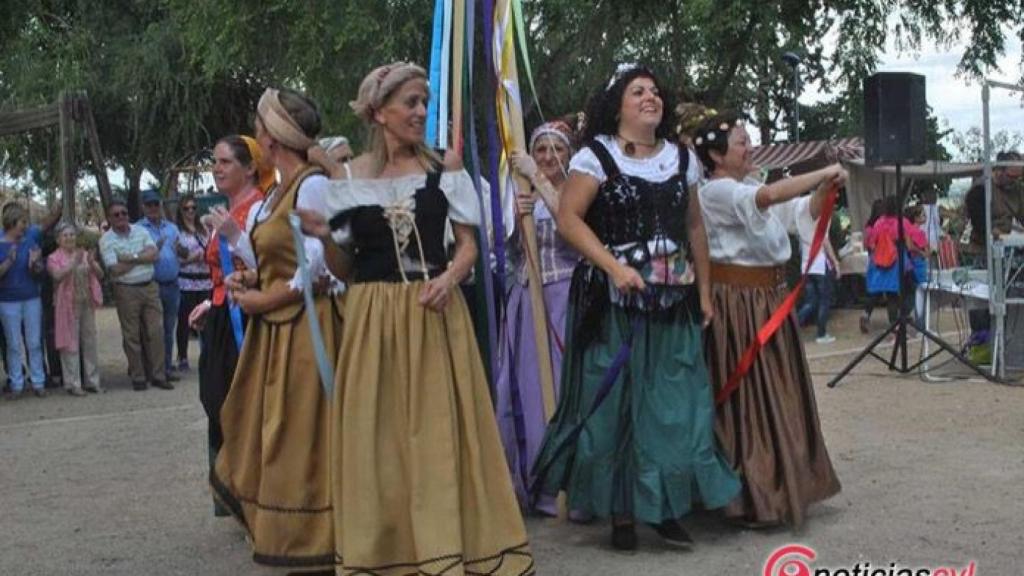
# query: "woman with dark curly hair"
769 426
636 306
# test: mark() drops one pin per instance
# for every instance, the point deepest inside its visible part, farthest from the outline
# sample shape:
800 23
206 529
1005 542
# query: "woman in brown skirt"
768 427
419 477
272 471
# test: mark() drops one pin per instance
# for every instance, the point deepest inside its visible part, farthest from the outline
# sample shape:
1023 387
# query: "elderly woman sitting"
77 294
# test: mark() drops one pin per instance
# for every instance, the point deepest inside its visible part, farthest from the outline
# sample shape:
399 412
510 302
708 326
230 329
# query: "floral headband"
712 134
692 122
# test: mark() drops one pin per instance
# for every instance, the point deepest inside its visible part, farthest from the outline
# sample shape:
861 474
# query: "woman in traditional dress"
519 403
272 471
768 427
418 475
647 451
239 173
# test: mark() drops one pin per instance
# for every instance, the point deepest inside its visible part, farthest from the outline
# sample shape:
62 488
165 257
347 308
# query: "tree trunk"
133 175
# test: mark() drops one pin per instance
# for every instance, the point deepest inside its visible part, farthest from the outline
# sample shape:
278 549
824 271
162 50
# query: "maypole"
451 51
510 124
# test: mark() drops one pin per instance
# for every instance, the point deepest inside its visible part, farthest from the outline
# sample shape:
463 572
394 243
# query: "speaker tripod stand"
903 320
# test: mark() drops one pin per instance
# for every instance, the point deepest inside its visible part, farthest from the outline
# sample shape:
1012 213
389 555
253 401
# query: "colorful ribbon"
611 376
227 267
474 165
765 333
435 73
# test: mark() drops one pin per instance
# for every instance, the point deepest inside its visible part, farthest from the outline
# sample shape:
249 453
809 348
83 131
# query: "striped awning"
775 156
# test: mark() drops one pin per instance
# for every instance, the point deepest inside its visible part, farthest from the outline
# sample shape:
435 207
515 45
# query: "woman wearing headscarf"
768 427
240 174
519 398
272 471
646 451
418 475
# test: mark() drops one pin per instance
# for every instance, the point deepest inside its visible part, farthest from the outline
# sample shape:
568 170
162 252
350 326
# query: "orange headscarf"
264 170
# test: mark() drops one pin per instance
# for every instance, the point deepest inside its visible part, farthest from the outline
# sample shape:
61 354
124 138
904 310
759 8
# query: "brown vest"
272 242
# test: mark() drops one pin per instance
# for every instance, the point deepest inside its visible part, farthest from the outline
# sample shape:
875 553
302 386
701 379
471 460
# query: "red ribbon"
765 333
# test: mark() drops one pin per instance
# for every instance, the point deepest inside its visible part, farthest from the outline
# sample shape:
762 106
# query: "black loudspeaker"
895 119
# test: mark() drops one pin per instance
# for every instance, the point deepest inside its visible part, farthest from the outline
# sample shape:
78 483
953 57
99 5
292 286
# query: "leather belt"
752 276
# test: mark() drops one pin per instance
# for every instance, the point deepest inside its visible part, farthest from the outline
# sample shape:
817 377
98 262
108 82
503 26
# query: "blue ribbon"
227 267
435 73
323 365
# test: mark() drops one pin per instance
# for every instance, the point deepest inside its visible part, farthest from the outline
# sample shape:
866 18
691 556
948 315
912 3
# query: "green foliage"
167 77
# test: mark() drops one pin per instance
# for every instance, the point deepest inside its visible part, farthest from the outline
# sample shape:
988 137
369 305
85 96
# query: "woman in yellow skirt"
419 474
272 471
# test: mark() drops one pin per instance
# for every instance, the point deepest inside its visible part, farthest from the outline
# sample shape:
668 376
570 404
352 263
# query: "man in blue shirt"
165 272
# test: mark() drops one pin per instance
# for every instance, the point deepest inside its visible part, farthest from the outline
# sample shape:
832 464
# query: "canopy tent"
786 155
868 183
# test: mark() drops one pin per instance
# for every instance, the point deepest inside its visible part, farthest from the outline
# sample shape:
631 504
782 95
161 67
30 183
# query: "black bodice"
630 209
373 245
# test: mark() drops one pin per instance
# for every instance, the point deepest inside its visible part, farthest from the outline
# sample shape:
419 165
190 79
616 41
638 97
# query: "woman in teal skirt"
646 451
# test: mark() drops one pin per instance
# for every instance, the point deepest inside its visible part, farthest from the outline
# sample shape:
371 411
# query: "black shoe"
39 392
162 385
172 376
139 386
624 536
672 533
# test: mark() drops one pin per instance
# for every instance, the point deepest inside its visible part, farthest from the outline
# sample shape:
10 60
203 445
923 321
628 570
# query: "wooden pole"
102 182
528 231
67 158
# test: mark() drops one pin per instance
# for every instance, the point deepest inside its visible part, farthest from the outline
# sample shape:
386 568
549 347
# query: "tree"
170 76
970 144
151 103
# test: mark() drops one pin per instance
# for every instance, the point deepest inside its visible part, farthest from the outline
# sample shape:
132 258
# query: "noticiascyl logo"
796 559
791 560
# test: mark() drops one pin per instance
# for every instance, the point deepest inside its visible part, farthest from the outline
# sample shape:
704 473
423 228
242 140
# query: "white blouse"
741 233
350 192
658 168
311 196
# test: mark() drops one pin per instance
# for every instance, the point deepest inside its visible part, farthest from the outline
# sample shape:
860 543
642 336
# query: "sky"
956 101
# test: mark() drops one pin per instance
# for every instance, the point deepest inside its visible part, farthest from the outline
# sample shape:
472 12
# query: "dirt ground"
932 473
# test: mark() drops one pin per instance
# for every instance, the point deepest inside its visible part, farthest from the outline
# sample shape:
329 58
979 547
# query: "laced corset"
399 240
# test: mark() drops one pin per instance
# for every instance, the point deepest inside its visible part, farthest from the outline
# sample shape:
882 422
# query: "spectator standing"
821 279
20 305
76 277
194 281
129 252
165 269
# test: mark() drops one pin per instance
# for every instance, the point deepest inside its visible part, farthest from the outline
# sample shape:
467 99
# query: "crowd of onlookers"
51 285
